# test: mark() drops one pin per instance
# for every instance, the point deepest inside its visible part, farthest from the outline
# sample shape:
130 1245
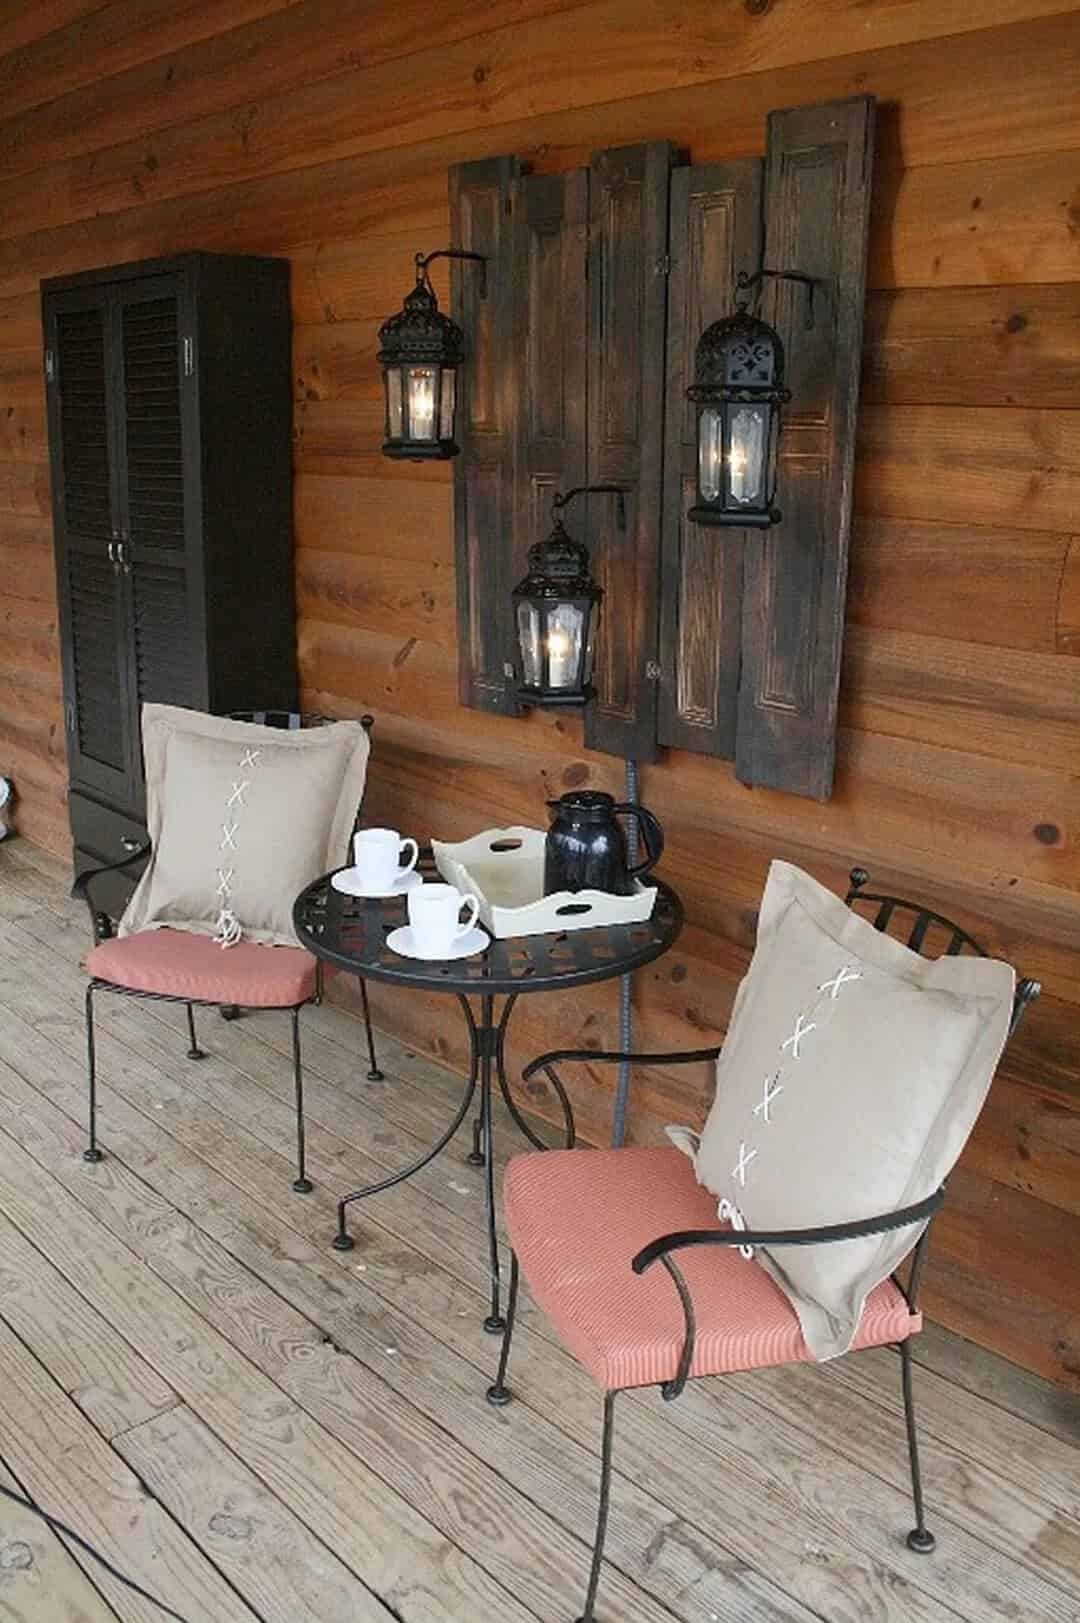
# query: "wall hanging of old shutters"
600 283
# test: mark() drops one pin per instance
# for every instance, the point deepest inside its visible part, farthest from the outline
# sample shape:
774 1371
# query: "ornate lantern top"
419 331
740 352
558 567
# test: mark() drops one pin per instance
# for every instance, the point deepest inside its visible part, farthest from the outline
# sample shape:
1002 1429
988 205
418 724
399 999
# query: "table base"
487 1065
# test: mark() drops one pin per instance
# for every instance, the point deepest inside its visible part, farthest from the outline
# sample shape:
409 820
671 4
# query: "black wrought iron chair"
648 1192
246 977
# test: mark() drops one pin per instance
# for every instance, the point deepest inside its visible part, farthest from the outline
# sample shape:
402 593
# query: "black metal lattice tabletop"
350 932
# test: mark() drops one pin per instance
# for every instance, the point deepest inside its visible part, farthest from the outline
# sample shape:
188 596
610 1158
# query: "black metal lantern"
555 611
421 351
738 390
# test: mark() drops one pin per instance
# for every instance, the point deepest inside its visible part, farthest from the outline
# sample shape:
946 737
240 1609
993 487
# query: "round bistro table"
350 933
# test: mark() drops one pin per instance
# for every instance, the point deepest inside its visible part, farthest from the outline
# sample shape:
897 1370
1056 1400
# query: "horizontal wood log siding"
323 129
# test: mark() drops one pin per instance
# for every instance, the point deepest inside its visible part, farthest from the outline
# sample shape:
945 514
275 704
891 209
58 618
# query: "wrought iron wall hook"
424 260
563 499
745 281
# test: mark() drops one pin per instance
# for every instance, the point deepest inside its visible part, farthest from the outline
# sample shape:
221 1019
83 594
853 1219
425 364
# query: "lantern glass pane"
746 455
590 648
393 403
528 619
710 453
421 387
446 408
565 627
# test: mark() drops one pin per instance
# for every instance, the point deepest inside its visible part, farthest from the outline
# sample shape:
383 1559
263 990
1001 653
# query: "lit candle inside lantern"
563 645
422 402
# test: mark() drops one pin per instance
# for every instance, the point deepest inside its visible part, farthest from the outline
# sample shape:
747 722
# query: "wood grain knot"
235 1527
1047 833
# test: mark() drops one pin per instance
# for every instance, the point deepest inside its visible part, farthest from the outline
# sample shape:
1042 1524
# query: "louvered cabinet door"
89 578
156 465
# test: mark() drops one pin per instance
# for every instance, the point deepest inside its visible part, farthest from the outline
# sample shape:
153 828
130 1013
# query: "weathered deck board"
69 1469
41 1583
333 1404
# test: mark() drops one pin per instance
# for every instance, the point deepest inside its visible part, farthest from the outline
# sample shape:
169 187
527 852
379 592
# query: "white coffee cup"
377 857
435 918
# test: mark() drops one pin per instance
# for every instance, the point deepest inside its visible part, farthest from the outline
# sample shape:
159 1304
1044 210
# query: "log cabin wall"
322 130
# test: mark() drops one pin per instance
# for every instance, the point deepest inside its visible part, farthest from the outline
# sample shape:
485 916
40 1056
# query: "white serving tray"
504 869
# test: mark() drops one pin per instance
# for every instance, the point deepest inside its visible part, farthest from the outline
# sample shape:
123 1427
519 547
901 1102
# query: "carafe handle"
652 837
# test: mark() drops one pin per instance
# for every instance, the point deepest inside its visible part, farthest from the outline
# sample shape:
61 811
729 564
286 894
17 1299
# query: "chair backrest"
895 908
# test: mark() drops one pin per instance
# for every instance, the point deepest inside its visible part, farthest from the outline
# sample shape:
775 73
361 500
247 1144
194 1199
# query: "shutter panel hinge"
652 671
189 356
69 715
50 366
662 267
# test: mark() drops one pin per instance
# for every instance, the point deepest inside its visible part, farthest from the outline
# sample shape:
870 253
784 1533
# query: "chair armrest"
80 890
858 1230
614 1057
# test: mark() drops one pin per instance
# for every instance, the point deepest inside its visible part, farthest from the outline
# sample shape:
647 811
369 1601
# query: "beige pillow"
242 818
851 1076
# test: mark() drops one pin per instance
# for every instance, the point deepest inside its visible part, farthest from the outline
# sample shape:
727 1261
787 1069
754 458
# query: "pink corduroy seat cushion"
576 1219
177 963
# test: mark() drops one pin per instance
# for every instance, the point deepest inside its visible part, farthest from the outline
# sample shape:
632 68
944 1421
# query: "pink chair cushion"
180 964
576 1219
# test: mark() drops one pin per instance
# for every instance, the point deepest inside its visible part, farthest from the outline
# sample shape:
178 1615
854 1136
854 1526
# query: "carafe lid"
585 800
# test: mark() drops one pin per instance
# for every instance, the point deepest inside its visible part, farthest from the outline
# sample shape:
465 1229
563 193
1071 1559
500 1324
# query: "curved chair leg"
374 1074
499 1394
91 1152
301 1183
229 1011
194 1051
920 1539
589 1614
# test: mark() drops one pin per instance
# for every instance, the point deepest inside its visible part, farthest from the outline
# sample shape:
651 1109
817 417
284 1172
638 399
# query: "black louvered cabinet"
170 431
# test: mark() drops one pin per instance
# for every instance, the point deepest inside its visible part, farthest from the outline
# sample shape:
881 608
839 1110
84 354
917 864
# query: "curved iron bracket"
744 282
424 260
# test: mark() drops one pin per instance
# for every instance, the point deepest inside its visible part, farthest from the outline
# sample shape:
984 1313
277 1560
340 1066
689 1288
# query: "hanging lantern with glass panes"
738 390
421 351
555 609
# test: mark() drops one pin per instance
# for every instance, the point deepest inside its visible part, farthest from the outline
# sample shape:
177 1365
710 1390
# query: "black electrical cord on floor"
77 1538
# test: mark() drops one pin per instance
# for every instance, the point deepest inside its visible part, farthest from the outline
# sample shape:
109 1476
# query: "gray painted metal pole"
626 1016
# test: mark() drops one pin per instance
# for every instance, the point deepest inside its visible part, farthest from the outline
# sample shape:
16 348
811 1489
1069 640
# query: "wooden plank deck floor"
254 1426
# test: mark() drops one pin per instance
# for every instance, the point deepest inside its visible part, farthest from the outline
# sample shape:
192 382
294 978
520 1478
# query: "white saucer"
401 941
350 884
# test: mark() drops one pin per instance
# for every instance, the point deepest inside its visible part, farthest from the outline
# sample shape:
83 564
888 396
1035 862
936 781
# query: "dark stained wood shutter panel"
481 212
715 233
550 236
817 200
628 207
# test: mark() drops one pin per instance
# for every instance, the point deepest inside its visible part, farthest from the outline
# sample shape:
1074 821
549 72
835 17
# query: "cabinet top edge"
137 268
